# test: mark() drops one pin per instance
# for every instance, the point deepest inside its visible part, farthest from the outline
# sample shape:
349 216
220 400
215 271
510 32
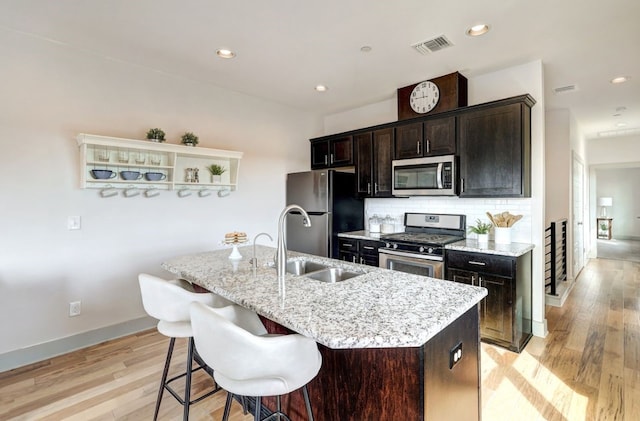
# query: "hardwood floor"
587 368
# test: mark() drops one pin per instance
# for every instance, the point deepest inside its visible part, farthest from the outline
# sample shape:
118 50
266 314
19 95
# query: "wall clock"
432 96
424 97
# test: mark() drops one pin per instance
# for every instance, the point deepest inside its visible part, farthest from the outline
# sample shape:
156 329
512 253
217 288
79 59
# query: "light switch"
73 223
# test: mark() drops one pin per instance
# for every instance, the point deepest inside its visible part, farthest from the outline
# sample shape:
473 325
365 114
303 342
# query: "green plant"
480 227
603 227
156 134
216 169
189 138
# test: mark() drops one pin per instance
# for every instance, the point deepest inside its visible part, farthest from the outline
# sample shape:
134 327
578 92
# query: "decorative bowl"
102 174
154 176
130 175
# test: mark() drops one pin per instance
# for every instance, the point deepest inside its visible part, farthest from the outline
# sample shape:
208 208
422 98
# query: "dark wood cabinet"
364 252
434 136
373 163
332 152
505 313
494 143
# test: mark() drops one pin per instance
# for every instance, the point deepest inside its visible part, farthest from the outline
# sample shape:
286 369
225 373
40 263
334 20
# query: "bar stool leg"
307 402
187 386
227 407
164 377
256 417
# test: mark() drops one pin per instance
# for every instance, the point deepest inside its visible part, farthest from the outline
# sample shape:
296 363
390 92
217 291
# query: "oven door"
411 263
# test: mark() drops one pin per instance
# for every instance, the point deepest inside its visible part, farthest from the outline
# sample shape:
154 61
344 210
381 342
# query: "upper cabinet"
494 144
332 152
137 165
431 137
373 162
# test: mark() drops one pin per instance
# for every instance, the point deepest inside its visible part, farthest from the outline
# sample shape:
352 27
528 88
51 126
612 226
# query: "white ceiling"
285 47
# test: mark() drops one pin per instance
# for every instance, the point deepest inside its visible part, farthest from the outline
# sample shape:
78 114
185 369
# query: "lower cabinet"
505 313
364 252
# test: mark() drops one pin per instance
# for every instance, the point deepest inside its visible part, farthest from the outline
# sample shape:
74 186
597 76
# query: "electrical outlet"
73 223
455 355
75 308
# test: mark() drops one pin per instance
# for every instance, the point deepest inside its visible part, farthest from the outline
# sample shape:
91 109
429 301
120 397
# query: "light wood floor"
587 368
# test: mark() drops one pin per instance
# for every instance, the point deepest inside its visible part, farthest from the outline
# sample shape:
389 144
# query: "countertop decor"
378 309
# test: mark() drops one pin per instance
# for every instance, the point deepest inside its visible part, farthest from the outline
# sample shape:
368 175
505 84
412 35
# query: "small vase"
216 179
483 238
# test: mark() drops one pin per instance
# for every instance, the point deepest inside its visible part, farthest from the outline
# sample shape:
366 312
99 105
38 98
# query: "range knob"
395 246
387 245
421 249
430 250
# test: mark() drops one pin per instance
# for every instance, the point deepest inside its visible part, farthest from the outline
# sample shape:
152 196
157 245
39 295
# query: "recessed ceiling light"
477 30
321 88
224 53
619 79
365 48
621 124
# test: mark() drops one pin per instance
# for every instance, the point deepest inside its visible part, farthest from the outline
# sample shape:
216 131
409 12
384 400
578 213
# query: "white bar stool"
248 363
168 301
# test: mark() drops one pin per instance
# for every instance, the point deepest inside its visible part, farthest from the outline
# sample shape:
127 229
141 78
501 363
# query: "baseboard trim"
563 291
539 328
21 357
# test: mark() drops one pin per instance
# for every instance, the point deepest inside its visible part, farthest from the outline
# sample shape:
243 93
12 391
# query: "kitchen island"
390 341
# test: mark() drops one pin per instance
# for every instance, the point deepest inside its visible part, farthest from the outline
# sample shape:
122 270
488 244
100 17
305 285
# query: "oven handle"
412 255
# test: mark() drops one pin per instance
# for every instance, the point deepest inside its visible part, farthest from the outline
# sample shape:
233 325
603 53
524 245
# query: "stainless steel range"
420 249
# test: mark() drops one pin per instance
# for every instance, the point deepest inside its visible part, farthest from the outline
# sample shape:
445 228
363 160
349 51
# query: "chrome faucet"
254 259
281 251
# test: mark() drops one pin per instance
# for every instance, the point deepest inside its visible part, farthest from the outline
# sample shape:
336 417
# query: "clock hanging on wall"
432 96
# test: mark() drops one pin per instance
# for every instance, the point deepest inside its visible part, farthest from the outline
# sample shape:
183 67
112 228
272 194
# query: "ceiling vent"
564 89
432 45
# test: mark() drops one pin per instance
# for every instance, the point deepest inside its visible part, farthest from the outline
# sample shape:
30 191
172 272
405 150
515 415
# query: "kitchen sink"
300 267
332 275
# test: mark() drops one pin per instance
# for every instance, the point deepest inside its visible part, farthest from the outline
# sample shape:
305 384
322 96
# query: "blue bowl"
102 174
154 176
130 175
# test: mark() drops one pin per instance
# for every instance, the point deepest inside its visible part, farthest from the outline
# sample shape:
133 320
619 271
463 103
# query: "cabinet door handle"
480 281
326 160
368 188
368 247
331 159
418 147
428 146
354 259
473 279
347 245
375 188
462 185
473 262
362 260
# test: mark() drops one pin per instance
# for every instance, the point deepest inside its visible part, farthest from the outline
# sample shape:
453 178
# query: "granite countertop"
378 309
491 247
361 235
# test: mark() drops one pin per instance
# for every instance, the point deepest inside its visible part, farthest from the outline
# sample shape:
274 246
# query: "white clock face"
424 97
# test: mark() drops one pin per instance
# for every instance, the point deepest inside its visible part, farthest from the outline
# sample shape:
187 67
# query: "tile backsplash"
472 208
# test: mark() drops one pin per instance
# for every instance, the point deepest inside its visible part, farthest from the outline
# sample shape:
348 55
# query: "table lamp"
605 202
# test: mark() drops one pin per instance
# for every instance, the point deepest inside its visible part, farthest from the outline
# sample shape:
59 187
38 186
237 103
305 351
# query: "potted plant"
481 229
155 135
189 139
216 172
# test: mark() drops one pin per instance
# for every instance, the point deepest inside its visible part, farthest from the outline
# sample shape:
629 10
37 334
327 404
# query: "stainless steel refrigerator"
329 197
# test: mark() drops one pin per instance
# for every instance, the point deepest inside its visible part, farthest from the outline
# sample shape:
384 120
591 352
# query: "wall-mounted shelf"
175 165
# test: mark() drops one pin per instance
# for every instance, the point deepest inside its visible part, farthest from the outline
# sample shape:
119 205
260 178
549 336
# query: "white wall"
517 80
50 93
622 185
608 153
557 165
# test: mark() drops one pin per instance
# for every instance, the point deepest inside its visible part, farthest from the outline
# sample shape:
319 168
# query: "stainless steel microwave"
429 176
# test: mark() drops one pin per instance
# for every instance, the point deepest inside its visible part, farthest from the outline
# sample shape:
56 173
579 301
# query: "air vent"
432 45
564 89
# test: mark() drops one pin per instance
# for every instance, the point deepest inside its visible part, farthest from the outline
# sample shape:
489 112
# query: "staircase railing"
555 255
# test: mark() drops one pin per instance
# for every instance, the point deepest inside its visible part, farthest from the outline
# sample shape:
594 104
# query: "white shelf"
118 154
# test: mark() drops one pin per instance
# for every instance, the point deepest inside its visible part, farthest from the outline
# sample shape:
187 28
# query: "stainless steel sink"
300 267
332 275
